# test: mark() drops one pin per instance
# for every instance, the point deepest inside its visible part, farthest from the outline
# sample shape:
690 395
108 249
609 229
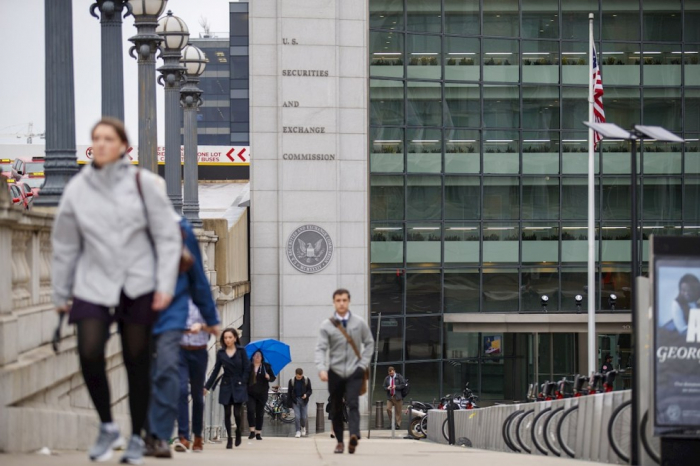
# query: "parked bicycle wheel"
522 428
286 414
537 432
505 431
566 430
550 431
414 428
619 431
445 431
424 425
511 431
652 445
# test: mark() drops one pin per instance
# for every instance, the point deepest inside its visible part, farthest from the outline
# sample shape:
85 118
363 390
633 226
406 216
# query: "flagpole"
591 211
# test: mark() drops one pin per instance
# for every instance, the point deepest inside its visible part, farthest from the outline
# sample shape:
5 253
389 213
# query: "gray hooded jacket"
341 358
100 243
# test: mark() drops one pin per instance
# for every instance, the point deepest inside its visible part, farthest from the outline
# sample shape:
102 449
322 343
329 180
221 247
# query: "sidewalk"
312 451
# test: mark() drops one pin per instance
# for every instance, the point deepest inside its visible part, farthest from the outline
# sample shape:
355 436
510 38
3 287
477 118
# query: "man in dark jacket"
172 322
394 384
607 365
298 393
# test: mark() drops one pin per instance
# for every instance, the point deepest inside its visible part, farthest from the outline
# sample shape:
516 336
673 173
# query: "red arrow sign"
228 154
240 154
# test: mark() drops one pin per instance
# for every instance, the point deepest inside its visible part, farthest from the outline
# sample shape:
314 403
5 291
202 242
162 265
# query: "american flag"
598 112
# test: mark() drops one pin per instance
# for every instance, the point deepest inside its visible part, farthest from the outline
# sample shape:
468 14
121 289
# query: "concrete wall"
327 39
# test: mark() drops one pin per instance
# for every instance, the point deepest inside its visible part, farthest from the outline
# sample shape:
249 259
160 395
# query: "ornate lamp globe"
174 32
147 7
194 60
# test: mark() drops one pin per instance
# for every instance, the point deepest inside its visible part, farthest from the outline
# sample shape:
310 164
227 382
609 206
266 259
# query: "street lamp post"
175 36
112 57
146 42
191 98
60 163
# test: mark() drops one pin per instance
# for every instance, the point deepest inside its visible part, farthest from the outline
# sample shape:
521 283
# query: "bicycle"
276 407
620 438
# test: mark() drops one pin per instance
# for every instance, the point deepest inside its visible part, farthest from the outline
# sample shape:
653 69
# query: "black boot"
229 444
238 437
251 436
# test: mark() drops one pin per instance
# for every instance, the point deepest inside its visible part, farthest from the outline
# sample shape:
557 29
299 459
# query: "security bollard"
320 418
244 418
451 423
379 415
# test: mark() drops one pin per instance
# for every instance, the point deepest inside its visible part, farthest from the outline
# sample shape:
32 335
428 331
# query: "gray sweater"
341 359
100 243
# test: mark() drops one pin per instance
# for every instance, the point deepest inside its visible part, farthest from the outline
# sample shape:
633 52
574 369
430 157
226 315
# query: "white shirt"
673 317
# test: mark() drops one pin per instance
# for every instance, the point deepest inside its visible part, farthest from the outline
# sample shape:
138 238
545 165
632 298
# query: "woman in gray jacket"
115 259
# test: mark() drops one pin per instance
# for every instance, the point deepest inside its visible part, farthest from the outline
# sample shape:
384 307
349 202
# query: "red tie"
392 386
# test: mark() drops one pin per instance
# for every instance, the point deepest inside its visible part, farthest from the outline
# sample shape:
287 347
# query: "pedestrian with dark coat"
298 393
394 384
233 393
261 375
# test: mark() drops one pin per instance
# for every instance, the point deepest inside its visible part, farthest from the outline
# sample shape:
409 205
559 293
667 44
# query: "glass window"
461 244
424 378
575 19
462 291
616 198
574 108
424 16
662 20
540 243
540 198
424 244
574 63
386 154
387 56
501 60
540 19
424 197
457 374
424 104
501 107
574 281
692 19
692 110
616 157
462 153
574 245
501 290
387 197
574 148
615 280
501 243
620 20
616 243
540 152
425 56
565 359
662 65
462 198
386 102
387 245
386 14
691 206
501 152
691 60
462 105
661 158
540 107
423 291
692 153
539 282
387 292
662 107
540 61
574 202
462 58
501 198
661 198
390 344
424 150
622 106
462 17
501 18
620 64
423 338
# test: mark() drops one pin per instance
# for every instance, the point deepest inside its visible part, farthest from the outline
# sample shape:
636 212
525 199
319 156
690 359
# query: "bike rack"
533 432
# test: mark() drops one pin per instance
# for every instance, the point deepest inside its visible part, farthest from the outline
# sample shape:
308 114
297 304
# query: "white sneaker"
298 434
303 431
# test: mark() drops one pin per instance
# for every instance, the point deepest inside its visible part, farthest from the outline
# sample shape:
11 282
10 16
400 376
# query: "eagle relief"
309 249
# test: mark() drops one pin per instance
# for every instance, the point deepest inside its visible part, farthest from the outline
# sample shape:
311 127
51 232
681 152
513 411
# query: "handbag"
365 378
186 257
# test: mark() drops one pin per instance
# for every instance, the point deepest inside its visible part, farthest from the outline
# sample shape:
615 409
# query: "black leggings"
236 414
92 338
256 412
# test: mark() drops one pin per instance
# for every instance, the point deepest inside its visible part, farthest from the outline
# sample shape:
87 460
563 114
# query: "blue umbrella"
274 351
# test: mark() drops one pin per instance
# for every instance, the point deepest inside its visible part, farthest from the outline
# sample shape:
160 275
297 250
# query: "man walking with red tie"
394 384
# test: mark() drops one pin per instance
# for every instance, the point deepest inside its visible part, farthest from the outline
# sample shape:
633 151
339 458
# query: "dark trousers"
237 408
166 384
256 411
348 389
193 371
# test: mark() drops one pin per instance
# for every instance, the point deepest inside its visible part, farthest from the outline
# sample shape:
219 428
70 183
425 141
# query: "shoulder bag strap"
340 327
145 209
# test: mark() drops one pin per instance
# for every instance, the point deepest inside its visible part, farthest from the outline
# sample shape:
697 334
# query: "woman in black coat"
234 383
261 375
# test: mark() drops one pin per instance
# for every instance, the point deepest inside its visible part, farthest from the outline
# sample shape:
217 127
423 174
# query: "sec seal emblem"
309 249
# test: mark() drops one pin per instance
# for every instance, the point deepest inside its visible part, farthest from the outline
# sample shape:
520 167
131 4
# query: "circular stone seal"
309 249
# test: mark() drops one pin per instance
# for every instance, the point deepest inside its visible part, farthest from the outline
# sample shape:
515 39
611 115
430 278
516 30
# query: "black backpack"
406 389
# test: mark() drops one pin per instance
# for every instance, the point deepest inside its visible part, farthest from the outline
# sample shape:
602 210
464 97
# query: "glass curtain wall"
478 153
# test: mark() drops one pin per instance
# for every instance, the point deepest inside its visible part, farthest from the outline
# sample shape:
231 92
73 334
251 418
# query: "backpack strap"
340 327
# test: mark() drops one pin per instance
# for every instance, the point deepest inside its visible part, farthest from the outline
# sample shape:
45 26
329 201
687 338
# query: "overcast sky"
22 81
